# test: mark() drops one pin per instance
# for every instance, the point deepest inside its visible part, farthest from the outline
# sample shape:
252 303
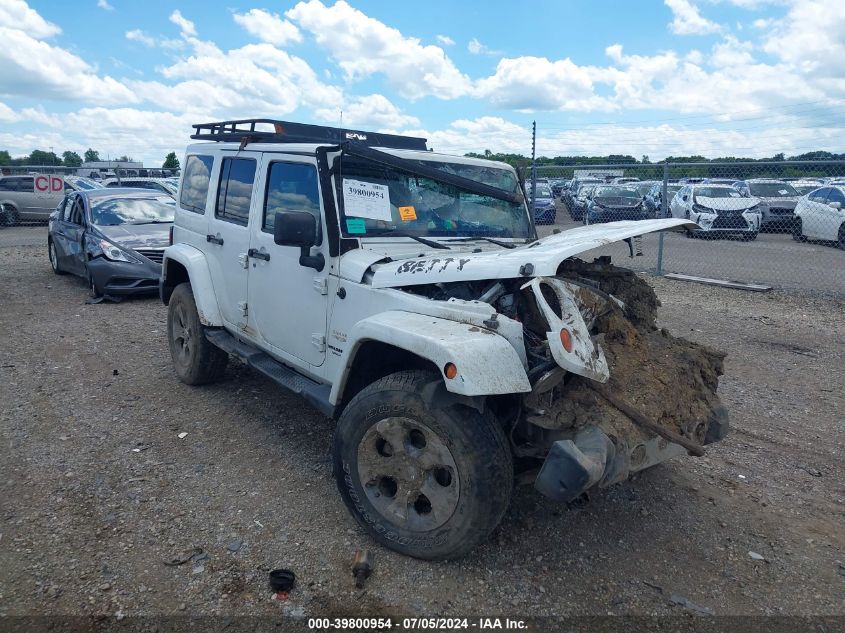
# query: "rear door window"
234 194
194 193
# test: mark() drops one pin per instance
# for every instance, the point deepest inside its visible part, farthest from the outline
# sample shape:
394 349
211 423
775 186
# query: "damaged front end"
611 393
624 395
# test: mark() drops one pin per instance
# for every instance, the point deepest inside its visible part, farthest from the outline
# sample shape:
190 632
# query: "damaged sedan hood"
538 259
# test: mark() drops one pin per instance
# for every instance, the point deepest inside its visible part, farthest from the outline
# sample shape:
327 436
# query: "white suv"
406 294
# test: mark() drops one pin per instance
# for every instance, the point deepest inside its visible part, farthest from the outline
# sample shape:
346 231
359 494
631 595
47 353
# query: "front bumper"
122 278
611 215
592 458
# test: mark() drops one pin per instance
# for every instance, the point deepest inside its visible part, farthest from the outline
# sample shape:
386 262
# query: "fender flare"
195 265
487 363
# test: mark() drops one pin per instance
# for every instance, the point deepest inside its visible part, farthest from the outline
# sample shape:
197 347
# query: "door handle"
214 239
258 254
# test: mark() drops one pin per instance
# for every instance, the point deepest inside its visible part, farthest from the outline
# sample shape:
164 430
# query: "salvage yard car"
113 238
609 203
20 202
820 215
718 210
405 293
544 203
777 201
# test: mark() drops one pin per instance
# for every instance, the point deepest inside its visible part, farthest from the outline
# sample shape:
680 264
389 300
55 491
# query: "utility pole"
533 167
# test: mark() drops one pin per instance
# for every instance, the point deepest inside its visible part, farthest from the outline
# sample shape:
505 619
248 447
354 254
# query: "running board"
313 392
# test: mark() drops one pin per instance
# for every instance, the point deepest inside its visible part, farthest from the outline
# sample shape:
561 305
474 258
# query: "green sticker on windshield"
356 226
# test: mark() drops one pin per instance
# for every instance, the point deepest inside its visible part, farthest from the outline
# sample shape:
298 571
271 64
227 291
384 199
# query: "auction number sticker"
366 200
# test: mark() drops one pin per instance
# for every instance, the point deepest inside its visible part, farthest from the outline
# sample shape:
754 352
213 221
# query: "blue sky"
709 77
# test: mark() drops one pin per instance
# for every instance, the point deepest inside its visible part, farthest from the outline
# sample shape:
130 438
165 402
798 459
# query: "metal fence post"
663 213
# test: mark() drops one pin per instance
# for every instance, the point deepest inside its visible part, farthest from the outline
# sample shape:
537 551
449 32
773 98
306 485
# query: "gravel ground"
97 490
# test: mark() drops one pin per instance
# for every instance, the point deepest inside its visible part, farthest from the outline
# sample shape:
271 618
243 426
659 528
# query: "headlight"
700 209
115 254
754 209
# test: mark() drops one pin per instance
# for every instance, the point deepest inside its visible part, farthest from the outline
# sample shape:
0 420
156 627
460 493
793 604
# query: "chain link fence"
779 224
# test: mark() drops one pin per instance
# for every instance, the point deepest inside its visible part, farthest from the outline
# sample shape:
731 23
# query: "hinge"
319 341
321 285
242 306
243 260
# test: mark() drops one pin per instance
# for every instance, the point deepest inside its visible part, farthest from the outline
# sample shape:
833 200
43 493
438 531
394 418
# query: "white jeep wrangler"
404 293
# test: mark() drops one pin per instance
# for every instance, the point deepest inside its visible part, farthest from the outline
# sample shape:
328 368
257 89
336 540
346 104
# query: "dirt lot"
97 490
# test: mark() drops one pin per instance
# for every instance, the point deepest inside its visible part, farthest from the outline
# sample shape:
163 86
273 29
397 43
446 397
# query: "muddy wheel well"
174 274
375 360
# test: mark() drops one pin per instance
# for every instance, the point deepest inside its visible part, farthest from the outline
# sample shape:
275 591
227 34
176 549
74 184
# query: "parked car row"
720 206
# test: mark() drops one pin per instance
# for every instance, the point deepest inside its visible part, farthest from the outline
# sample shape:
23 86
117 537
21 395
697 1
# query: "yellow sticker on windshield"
407 214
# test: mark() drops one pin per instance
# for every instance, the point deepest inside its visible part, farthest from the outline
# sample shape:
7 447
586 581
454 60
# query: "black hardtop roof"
244 131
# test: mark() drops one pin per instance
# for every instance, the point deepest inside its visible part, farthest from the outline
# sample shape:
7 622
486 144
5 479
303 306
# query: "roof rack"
286 132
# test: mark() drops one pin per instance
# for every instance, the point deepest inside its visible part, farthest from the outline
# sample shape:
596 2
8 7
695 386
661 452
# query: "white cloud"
137 35
186 27
811 37
686 19
16 14
7 115
363 46
445 40
372 111
268 27
38 70
104 4
537 83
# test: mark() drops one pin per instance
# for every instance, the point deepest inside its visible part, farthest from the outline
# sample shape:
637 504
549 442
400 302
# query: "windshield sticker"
356 226
408 214
366 200
782 192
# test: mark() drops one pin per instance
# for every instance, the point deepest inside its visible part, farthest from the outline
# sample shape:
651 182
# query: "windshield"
377 199
804 189
543 191
717 192
585 191
772 189
644 188
114 211
616 192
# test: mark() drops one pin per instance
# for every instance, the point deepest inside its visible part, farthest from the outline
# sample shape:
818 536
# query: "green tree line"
71 159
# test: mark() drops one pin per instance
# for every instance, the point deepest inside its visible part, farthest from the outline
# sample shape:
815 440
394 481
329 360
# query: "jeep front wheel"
196 360
426 482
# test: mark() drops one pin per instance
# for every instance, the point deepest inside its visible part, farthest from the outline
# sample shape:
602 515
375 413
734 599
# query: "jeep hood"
538 259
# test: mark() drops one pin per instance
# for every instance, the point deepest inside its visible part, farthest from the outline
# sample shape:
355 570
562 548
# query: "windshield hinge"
321 285
319 341
242 306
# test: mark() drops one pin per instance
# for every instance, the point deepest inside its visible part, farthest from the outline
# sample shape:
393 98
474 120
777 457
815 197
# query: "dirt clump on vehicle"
668 379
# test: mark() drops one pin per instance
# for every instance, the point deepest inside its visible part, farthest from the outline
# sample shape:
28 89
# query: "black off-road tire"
54 258
476 442
195 359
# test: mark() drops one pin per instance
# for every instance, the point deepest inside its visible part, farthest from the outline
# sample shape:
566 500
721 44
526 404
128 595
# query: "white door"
812 219
288 301
228 235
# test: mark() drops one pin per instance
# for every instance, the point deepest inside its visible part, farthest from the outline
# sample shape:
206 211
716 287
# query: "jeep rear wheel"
428 483
196 360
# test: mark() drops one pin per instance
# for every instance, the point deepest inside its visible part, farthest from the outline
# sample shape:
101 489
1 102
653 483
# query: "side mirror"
684 198
835 205
299 228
